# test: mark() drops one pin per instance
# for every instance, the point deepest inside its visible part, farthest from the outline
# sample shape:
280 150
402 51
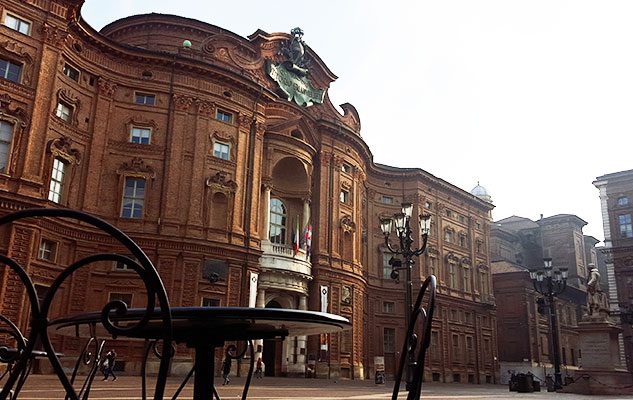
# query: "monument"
600 371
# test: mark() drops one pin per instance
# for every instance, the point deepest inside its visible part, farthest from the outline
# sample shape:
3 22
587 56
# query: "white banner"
324 293
252 298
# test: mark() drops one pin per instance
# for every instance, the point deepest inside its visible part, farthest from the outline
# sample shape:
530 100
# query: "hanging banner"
324 293
252 298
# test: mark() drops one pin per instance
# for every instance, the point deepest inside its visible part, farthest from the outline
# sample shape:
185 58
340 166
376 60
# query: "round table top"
212 324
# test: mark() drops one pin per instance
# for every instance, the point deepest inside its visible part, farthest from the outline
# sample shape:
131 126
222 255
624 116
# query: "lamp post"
402 221
550 283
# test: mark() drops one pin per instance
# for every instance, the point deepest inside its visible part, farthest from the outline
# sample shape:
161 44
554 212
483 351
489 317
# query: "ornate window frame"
61 148
67 98
11 51
226 139
136 168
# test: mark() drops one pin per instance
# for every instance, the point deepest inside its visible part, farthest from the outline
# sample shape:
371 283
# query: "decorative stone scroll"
16 115
106 87
138 168
347 224
53 36
61 147
220 183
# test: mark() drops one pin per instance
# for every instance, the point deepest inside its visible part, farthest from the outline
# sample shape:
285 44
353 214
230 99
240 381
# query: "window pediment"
451 258
136 167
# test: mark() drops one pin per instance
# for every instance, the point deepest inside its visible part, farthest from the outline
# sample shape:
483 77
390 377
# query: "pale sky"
531 98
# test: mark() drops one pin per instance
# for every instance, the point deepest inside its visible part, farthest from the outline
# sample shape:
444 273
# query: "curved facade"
221 159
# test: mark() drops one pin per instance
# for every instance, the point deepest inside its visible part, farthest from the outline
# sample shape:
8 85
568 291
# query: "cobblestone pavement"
47 387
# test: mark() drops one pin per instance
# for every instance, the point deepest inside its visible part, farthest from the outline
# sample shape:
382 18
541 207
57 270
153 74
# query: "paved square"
46 387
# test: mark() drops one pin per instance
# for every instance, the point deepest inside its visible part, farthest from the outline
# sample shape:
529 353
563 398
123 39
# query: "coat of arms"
291 75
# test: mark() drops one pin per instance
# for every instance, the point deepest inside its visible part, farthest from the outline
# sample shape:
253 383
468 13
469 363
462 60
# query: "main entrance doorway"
272 351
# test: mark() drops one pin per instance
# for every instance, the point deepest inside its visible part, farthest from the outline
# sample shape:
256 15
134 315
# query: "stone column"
260 303
306 213
302 340
266 211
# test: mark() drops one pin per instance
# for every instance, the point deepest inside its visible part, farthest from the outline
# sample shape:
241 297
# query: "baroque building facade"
225 160
616 202
517 245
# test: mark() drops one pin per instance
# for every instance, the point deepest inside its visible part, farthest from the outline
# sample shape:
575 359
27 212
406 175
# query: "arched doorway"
272 351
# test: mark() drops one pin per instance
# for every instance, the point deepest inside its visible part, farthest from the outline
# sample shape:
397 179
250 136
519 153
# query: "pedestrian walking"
259 369
107 367
226 370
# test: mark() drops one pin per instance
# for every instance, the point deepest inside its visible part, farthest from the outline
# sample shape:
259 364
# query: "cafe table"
206 328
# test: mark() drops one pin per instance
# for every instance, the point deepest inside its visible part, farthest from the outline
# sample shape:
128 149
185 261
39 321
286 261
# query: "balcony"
282 258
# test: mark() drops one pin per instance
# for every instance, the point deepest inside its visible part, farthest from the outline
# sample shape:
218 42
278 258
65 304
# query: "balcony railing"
282 257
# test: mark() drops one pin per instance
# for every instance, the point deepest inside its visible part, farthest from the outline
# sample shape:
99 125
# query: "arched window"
277 221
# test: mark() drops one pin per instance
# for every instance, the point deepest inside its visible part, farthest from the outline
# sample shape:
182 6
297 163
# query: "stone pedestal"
600 371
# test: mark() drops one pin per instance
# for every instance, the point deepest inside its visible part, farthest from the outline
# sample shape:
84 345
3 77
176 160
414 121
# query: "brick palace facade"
210 150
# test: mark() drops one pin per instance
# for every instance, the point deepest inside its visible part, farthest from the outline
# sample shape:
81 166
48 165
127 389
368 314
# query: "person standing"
226 370
108 365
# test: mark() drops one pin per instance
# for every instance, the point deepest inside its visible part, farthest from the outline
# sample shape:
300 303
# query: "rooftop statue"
291 75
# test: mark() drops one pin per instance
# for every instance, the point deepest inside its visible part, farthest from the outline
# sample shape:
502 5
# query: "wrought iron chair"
92 351
411 340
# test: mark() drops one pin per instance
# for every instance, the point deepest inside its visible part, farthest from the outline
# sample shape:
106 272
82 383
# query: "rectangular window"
346 168
17 24
387 200
462 240
433 266
47 250
469 349
224 116
6 136
386 268
121 266
344 197
71 72
57 181
221 150
626 228
144 98
133 198
435 345
208 302
140 135
452 283
64 111
389 340
124 297
388 307
467 287
457 354
10 71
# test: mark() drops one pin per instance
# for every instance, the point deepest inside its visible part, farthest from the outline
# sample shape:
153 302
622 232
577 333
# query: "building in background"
223 157
616 201
517 245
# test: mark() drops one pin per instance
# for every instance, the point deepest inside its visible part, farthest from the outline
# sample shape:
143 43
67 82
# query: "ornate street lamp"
550 283
405 235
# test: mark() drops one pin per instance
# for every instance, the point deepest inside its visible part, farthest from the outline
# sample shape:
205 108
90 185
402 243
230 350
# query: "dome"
482 193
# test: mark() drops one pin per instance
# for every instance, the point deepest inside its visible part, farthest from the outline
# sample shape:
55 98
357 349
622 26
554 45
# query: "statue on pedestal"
597 302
